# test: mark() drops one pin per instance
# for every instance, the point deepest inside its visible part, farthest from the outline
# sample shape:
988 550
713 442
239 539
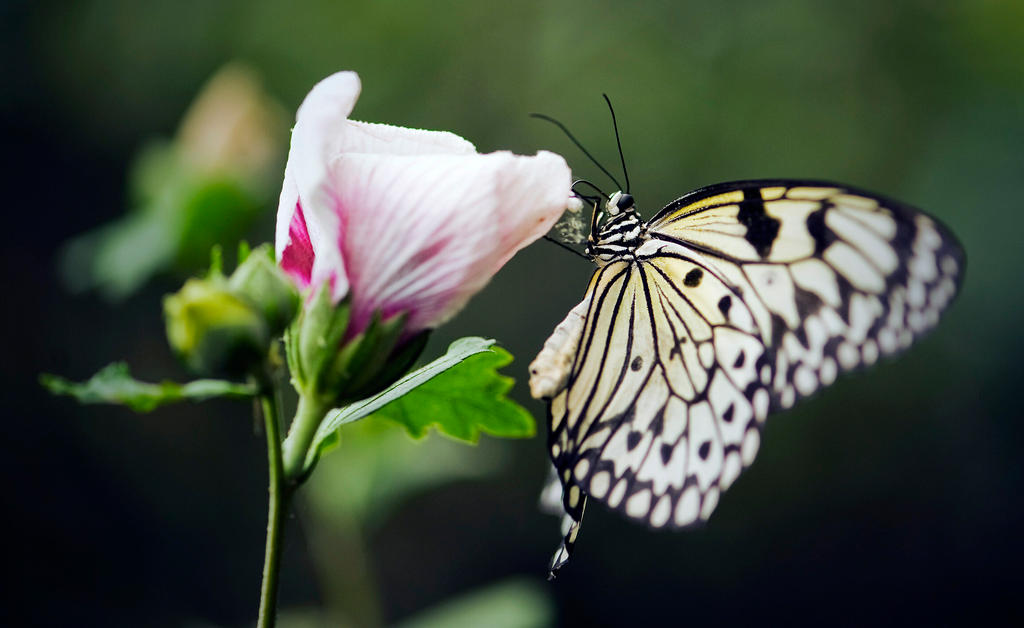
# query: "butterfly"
730 304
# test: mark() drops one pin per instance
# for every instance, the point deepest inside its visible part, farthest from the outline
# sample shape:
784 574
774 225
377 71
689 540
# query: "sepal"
397 365
259 280
327 365
313 341
362 358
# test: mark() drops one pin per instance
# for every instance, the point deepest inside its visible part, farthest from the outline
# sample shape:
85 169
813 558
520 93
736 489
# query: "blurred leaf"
509 604
302 617
513 603
114 384
467 396
212 210
379 467
464 401
206 186
176 217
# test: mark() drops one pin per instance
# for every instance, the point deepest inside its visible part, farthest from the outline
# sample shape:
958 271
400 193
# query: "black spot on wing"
692 279
704 450
633 439
637 363
761 228
724 304
666 453
658 424
727 415
807 303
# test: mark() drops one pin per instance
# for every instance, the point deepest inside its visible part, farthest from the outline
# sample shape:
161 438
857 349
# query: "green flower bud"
213 330
260 281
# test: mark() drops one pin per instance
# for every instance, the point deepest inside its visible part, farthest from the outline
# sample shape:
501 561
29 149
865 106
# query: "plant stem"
308 415
280 492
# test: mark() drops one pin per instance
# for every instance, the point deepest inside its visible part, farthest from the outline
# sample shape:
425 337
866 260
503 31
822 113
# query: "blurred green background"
894 496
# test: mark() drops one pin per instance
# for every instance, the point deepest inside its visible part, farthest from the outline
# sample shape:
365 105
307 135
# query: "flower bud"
260 281
213 330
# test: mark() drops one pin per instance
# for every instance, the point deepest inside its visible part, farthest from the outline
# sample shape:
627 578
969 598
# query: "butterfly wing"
834 277
634 423
747 296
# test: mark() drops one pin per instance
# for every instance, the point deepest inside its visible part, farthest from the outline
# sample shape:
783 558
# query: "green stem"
280 492
308 415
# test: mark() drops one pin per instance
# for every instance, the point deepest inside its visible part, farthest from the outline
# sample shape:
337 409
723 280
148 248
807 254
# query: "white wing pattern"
737 300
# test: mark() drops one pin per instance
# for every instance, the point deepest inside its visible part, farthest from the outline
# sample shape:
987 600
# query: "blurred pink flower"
404 220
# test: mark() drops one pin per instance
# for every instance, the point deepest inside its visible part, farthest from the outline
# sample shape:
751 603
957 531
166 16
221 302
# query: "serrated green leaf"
463 401
458 352
114 384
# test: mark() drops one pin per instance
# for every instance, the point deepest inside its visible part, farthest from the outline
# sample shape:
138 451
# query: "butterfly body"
620 236
731 303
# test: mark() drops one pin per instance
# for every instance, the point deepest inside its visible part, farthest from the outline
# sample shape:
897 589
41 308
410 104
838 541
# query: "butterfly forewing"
835 277
742 298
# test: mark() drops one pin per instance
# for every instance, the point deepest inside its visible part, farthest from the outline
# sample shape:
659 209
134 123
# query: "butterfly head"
618 203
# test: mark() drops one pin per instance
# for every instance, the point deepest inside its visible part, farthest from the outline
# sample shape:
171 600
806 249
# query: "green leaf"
460 393
464 401
114 384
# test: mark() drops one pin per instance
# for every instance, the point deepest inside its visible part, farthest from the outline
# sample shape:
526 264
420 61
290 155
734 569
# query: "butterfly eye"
625 202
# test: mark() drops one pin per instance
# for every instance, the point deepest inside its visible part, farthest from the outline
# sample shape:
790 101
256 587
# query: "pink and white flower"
404 220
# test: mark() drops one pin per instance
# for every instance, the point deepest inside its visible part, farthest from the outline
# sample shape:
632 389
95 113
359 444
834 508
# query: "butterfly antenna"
577 143
618 142
566 247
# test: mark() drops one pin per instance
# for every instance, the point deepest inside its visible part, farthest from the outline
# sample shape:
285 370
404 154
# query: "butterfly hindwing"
650 411
649 421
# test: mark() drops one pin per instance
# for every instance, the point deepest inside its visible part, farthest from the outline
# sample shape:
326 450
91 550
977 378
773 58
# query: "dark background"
892 497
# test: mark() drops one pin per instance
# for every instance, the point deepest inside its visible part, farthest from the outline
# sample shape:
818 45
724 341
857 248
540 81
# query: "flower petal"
369 137
533 195
423 233
320 121
306 238
322 131
285 212
404 220
297 255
